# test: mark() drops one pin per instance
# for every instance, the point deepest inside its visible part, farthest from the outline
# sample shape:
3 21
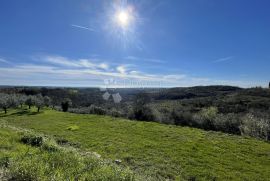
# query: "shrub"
205 118
228 123
32 140
66 103
182 118
258 127
50 146
146 113
4 162
115 113
97 110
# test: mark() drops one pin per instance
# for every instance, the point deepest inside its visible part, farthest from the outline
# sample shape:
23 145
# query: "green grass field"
153 150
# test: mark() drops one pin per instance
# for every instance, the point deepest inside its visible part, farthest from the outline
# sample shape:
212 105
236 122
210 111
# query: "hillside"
27 156
152 150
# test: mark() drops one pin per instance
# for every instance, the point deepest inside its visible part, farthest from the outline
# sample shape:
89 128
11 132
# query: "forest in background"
227 109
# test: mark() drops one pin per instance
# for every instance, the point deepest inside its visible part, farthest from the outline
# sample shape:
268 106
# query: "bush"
97 110
115 113
205 118
32 140
146 113
50 146
228 123
182 118
66 103
254 126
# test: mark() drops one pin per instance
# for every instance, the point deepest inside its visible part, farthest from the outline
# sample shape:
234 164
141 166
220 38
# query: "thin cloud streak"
80 63
27 73
82 27
4 61
152 60
59 68
223 59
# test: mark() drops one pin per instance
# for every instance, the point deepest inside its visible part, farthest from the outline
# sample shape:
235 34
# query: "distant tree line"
8 101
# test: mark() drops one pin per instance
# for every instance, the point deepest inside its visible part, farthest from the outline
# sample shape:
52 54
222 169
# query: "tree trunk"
29 107
5 110
38 109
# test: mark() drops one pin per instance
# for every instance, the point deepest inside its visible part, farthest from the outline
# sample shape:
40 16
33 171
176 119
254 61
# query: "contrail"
82 27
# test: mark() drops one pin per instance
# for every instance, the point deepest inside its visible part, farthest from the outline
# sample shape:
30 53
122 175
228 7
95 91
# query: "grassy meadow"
142 149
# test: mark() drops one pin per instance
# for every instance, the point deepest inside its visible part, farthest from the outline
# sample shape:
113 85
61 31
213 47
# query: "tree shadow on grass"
24 112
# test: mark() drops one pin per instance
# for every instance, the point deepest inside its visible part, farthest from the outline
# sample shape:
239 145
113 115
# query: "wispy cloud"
82 27
63 71
80 63
152 60
225 59
4 61
121 69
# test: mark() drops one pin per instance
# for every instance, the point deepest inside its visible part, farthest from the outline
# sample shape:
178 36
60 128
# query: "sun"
123 18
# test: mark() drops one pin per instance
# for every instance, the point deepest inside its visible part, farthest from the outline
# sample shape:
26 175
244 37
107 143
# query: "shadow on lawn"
23 112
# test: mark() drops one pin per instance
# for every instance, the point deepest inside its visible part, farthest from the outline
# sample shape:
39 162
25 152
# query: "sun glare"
123 18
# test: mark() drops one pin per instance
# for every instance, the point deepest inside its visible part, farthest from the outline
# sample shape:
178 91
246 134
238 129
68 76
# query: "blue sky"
165 42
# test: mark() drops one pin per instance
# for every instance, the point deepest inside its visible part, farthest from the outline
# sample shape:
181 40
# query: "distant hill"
193 92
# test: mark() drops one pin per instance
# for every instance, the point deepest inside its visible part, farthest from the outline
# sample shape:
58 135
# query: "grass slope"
49 161
155 150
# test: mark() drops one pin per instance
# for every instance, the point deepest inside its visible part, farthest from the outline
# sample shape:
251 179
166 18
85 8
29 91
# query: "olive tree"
5 101
39 102
21 99
30 101
47 101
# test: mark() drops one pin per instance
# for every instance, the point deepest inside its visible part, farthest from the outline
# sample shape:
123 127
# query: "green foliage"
146 113
32 140
47 101
21 99
229 123
115 113
7 101
30 101
66 103
205 118
96 110
258 127
39 102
